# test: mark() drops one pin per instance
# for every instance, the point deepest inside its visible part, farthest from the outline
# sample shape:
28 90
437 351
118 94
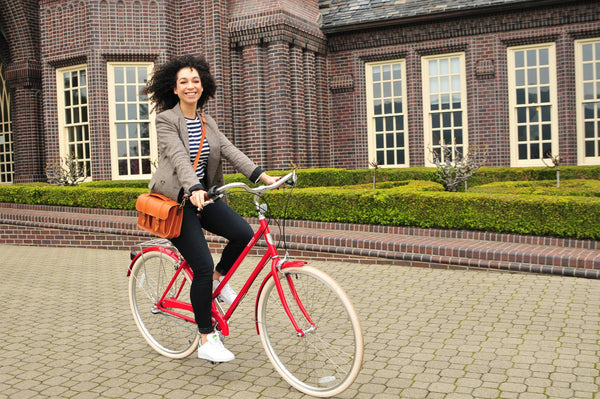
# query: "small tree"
454 168
556 160
68 171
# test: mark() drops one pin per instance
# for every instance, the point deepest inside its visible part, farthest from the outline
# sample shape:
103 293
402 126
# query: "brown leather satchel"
159 214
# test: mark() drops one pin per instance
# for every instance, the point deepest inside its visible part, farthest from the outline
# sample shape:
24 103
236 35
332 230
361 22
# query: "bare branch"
454 168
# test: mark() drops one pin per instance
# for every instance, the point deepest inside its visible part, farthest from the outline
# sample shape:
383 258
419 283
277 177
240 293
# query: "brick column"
298 118
280 150
310 109
24 80
322 139
253 105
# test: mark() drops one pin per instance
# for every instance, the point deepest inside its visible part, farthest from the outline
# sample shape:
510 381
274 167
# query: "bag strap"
201 142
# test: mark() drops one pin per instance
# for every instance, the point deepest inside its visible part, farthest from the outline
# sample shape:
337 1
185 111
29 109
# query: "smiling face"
189 87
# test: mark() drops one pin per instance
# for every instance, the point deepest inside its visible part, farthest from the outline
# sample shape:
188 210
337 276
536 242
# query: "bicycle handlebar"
217 192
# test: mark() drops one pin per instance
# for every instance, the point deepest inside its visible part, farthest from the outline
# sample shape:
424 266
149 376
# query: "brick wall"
484 39
286 91
94 33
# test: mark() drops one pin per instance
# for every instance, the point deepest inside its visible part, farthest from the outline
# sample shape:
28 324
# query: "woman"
179 89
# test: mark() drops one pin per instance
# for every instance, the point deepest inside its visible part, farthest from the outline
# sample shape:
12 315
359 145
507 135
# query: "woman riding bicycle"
179 89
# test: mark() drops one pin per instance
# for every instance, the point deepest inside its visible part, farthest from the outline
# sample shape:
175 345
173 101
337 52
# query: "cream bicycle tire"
327 360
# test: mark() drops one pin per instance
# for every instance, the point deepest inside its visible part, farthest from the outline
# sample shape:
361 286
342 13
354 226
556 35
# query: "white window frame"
428 112
64 125
116 134
6 135
396 117
513 106
582 100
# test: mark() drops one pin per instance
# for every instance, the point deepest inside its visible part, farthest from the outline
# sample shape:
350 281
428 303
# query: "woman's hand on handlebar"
199 198
268 180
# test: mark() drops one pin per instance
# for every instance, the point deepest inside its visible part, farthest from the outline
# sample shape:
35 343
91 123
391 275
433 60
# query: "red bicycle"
306 322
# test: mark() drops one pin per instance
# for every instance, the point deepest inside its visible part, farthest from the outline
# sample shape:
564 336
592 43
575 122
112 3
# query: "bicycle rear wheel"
328 358
170 336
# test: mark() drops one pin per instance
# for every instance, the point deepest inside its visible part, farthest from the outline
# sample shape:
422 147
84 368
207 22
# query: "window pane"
534 151
386 72
119 75
120 93
84 115
130 75
379 124
144 130
143 111
121 131
145 147
387 89
132 111
397 72
120 108
376 73
131 93
122 148
376 90
133 149
590 149
133 132
519 59
520 77
146 166
142 75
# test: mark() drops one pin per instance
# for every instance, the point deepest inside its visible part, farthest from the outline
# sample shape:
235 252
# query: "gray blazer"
175 170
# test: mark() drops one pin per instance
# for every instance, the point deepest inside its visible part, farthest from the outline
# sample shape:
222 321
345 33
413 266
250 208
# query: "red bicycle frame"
169 304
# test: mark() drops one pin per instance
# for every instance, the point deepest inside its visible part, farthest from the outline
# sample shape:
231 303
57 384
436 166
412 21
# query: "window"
444 105
386 113
74 132
133 142
6 143
532 104
587 64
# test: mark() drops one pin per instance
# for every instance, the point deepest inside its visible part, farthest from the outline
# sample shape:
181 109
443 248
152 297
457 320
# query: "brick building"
325 83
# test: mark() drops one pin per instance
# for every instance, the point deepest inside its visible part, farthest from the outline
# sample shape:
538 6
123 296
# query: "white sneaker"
214 350
227 294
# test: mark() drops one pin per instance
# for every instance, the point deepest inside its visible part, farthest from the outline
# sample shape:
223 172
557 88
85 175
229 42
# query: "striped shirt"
195 135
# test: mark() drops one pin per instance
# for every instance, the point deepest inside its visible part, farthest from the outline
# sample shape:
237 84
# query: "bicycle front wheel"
327 359
169 335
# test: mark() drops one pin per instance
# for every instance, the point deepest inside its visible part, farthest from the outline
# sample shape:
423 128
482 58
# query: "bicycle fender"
167 251
295 263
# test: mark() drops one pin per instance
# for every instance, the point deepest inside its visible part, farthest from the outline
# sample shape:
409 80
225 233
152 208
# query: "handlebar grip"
213 193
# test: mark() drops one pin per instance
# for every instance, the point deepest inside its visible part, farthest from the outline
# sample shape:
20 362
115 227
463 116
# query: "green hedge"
575 187
530 204
77 196
426 205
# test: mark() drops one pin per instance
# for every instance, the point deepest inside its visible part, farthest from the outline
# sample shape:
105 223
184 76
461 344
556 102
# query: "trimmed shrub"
404 197
76 196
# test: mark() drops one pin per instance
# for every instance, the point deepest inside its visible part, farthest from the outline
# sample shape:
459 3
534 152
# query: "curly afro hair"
164 79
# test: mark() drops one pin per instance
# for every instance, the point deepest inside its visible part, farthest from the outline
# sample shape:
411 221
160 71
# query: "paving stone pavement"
67 332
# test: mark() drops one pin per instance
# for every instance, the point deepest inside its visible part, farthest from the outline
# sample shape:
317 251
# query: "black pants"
219 219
